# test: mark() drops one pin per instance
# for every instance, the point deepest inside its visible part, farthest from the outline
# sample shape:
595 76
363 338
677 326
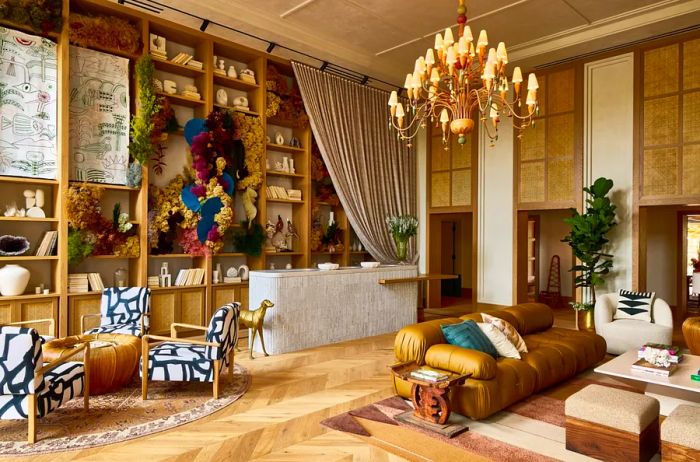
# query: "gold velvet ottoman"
680 434
114 358
611 424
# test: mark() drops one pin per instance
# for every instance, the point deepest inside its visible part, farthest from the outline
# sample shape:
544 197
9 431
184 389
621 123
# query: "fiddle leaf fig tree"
588 237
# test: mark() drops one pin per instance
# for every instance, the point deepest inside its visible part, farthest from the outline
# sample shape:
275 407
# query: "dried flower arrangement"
323 185
253 138
43 16
288 104
105 32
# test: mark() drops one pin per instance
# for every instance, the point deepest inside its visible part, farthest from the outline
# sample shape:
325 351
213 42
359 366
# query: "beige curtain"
373 172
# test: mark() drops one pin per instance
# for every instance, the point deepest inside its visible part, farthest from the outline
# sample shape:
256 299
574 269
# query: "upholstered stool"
611 424
680 434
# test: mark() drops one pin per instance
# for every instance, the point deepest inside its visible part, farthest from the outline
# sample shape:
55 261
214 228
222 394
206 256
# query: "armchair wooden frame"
31 398
146 346
49 321
84 317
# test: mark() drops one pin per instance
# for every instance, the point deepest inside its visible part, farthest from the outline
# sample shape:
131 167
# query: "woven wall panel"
440 158
532 181
560 91
691 64
532 141
461 187
661 121
462 153
661 70
660 172
440 190
560 136
691 117
560 179
691 169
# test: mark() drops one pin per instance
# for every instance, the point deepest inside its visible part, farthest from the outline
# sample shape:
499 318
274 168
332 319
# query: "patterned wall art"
28 76
99 116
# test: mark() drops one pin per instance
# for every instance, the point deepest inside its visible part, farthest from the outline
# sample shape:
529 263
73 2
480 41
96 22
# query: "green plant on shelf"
249 239
79 246
141 147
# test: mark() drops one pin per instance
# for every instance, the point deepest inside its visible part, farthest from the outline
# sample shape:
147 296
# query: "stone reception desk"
314 307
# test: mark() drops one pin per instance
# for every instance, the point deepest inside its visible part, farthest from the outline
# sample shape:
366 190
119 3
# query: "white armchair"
623 335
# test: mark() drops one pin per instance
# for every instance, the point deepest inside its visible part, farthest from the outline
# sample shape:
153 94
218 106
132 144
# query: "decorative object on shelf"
13 245
269 234
402 229
191 91
142 147
254 320
466 83
42 16
221 97
13 280
222 68
232 272
243 272
134 175
588 239
288 266
232 72
158 84
215 277
328 266
249 238
248 75
331 218
292 170
294 142
165 278
29 113
169 87
99 126
11 210
121 278
272 266
110 33
34 200
249 197
279 138
157 47
291 234
279 240
240 103
285 164
369 264
332 237
286 100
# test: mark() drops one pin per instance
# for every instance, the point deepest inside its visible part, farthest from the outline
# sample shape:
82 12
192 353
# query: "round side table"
114 358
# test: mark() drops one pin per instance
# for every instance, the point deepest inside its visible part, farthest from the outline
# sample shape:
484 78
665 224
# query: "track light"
365 79
204 25
121 2
271 47
324 66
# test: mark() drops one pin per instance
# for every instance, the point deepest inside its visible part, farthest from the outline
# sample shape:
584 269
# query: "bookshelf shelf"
230 254
231 284
284 148
242 111
183 100
195 286
14 179
236 84
28 258
172 255
107 186
111 257
281 123
284 174
283 254
286 201
28 297
175 68
92 293
29 219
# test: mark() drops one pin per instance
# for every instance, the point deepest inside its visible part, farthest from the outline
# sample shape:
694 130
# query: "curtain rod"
326 66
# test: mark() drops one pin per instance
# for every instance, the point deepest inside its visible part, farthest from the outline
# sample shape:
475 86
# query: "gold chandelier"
465 81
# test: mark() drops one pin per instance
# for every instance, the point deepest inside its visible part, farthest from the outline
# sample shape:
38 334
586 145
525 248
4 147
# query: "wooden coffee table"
431 401
114 358
671 391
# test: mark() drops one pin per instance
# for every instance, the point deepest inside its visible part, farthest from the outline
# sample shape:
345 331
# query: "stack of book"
158 54
190 277
190 91
645 366
294 194
429 376
674 353
182 58
153 282
651 350
78 283
196 64
47 247
95 281
278 192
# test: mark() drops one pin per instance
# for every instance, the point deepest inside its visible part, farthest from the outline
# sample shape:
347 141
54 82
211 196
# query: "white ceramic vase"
696 283
13 280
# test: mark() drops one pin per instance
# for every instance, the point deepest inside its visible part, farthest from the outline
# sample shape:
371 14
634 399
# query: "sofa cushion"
467 334
413 341
460 360
508 330
628 334
587 347
552 363
634 305
531 317
500 314
499 341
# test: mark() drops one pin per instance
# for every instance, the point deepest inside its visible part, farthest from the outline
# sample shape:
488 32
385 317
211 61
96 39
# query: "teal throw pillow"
468 335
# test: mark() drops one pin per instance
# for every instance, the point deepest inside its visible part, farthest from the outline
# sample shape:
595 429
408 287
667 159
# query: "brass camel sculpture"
254 320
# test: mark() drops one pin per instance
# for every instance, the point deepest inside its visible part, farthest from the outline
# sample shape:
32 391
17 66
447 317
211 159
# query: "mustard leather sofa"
691 333
554 355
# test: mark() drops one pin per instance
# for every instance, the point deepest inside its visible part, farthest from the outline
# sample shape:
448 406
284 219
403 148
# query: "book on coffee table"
643 365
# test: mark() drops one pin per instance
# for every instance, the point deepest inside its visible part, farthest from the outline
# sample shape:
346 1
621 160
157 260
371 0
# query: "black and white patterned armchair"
28 387
185 360
123 310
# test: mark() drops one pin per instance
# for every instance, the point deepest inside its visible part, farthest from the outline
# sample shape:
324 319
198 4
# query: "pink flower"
199 190
213 234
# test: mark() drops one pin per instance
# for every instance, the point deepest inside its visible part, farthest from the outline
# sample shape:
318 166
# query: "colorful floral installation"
288 104
91 230
164 122
105 32
43 16
253 138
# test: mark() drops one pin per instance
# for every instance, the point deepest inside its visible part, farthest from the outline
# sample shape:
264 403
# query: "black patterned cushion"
129 329
20 359
634 305
61 384
122 305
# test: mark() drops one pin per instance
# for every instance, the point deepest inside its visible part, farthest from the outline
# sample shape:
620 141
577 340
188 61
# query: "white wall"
552 231
608 151
662 249
495 218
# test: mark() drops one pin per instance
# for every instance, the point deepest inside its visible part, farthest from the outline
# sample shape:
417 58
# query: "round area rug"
122 415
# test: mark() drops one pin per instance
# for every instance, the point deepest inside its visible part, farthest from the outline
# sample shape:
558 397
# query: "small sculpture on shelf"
158 84
241 103
247 75
221 69
254 320
270 233
232 72
279 240
13 280
34 201
221 97
169 87
191 91
292 170
13 245
165 279
285 164
279 138
157 47
291 234
249 196
12 211
294 142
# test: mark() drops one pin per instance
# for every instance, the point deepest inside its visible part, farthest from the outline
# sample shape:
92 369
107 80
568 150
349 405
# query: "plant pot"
401 249
585 320
13 280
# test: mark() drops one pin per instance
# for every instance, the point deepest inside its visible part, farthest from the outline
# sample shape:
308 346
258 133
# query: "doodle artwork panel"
99 116
28 110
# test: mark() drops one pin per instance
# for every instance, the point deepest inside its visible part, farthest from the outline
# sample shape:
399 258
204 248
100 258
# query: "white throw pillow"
499 340
634 305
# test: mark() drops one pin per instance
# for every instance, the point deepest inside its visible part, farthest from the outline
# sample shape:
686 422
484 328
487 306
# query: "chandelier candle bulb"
532 82
438 42
501 53
468 34
449 38
483 39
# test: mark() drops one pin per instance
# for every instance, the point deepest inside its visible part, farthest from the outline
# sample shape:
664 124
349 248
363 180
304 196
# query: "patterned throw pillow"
507 328
499 340
634 305
468 335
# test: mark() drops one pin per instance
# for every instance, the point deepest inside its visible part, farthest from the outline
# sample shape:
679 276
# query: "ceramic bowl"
369 264
328 266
